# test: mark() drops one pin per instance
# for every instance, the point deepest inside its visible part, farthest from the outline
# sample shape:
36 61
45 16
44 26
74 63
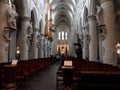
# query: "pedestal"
67 78
9 77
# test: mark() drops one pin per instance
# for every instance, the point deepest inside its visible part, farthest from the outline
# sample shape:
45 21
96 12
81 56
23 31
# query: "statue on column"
29 32
39 40
100 21
6 34
99 15
12 16
78 49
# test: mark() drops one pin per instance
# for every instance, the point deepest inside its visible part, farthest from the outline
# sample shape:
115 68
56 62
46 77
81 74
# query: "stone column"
34 43
46 45
4 32
39 45
84 44
23 38
109 41
42 46
71 41
92 30
93 38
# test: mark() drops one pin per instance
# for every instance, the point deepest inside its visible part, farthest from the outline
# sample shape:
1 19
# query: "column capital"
25 18
102 1
91 17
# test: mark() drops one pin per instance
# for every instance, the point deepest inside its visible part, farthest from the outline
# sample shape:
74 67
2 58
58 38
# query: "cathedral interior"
87 30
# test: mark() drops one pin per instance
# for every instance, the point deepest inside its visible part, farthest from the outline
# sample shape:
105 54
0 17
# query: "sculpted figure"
6 34
29 32
12 16
99 15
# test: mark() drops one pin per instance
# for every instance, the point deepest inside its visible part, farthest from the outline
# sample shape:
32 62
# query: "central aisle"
43 80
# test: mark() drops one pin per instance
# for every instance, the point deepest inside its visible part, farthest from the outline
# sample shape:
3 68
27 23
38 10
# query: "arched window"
59 35
62 35
66 35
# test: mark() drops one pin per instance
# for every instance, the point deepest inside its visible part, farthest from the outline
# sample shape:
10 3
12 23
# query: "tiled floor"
43 80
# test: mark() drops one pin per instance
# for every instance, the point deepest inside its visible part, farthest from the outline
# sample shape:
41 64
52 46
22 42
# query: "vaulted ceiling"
63 11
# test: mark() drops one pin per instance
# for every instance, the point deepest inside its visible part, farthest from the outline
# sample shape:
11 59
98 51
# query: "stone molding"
102 1
92 18
25 18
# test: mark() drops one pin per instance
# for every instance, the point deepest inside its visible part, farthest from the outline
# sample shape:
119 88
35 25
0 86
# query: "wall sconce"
118 48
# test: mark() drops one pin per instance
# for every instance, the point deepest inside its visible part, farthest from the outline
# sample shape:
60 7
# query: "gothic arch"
85 15
34 18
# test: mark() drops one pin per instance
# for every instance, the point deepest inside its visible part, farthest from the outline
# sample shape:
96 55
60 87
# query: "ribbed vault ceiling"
63 11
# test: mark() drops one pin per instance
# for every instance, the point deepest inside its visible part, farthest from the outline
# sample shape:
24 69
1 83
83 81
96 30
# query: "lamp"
118 48
17 52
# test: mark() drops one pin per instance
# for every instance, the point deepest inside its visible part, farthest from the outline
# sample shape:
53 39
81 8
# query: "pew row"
25 68
93 75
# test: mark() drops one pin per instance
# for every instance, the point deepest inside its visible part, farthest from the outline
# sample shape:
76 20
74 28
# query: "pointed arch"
34 18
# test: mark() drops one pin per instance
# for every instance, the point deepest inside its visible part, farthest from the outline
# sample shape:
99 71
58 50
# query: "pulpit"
67 77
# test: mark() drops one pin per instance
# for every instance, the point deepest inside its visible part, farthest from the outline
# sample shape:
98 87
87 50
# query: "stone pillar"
23 38
92 30
4 32
93 38
39 45
34 43
84 45
109 41
42 46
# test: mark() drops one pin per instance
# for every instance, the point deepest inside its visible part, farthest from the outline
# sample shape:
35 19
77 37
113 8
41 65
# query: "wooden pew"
94 75
98 76
25 68
99 80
